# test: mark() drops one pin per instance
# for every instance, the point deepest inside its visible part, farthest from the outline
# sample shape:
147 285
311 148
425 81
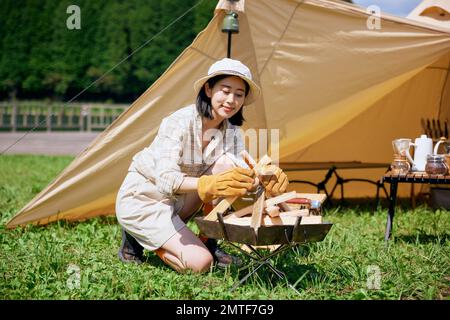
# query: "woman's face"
227 96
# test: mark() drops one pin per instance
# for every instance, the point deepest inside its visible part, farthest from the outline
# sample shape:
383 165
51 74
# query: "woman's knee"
184 251
200 262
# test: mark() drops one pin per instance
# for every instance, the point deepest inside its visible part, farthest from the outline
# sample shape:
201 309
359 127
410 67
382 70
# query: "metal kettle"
423 146
442 140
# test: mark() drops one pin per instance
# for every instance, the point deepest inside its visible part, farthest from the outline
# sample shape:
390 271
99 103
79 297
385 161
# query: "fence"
25 115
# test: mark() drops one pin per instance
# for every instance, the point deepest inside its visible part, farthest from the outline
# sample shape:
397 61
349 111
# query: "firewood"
281 198
220 208
285 218
273 211
268 203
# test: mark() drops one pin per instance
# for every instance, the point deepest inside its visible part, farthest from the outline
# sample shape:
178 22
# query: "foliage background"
41 57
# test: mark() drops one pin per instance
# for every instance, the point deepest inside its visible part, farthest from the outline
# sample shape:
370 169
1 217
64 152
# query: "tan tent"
336 89
433 12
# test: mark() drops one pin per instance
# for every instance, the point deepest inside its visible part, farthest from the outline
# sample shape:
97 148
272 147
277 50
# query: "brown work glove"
234 182
278 183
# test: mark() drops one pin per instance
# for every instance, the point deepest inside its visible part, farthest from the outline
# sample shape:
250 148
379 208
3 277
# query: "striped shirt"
176 151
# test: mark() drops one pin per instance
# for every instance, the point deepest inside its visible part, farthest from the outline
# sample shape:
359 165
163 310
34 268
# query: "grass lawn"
79 260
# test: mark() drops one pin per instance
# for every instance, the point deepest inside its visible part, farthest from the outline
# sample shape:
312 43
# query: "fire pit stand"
287 236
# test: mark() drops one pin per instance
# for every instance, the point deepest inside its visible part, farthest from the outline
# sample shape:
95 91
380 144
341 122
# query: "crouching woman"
193 160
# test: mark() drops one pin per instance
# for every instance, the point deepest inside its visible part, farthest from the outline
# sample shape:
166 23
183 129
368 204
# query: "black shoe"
221 258
130 250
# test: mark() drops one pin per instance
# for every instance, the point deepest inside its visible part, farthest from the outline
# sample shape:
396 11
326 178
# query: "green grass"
36 262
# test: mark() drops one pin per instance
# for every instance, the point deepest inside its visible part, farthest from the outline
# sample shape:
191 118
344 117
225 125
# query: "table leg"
413 197
391 212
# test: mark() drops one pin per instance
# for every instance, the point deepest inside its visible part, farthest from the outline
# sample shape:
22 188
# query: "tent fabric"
335 89
433 12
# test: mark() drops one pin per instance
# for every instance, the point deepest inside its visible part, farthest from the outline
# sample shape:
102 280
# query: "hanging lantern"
231 23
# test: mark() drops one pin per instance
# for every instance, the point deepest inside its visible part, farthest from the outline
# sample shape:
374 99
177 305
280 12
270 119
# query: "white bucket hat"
232 68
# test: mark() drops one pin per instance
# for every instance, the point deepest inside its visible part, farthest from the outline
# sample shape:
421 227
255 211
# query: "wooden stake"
221 207
281 198
257 212
269 203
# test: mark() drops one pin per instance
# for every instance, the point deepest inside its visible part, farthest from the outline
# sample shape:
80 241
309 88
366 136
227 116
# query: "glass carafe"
436 164
400 164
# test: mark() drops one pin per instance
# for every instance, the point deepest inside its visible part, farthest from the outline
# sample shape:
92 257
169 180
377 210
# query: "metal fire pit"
287 236
266 235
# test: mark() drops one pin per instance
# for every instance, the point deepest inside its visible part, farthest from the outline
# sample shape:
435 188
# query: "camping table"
287 236
395 179
332 168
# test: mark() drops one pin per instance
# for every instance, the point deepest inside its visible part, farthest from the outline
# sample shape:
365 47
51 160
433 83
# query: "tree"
110 48
16 18
180 34
144 25
203 14
40 56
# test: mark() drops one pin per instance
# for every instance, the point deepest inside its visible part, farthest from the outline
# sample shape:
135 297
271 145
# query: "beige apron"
145 213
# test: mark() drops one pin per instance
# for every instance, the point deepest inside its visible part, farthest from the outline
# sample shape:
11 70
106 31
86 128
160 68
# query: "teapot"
423 146
446 145
446 156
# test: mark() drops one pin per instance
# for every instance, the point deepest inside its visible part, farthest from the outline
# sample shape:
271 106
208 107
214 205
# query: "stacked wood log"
280 210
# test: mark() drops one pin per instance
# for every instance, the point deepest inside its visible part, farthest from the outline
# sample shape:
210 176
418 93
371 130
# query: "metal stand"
286 236
260 260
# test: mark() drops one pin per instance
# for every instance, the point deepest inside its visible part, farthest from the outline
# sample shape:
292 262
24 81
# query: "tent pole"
229 45
230 25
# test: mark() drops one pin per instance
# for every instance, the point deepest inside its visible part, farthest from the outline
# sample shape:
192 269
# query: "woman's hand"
277 184
233 182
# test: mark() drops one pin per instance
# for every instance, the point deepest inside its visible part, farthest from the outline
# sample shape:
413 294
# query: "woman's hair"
204 102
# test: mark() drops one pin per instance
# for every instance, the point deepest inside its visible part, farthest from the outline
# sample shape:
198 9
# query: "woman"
194 159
